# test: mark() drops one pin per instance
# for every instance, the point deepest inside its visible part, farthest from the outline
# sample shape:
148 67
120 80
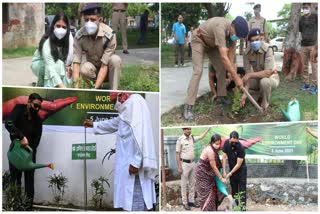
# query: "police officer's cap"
254 32
241 27
306 3
257 6
91 9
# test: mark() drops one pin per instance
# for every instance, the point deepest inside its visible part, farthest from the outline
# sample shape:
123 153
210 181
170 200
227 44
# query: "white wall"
56 147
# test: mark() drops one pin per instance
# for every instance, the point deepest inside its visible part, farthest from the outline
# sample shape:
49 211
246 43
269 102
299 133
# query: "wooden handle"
251 99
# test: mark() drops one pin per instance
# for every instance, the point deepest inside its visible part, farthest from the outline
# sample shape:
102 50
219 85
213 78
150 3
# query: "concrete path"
174 82
17 71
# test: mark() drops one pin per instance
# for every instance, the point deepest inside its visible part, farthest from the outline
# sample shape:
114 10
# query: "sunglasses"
36 106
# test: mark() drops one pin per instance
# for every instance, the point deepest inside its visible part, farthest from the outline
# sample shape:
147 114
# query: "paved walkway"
17 71
174 82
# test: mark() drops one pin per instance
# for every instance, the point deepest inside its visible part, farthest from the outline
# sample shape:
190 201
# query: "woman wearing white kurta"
134 146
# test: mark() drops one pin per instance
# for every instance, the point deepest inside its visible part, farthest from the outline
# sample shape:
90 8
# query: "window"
5 13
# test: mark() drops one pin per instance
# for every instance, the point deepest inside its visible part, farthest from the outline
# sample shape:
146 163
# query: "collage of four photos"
158 106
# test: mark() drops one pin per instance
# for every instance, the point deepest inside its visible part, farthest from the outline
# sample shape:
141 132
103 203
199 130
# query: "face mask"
255 45
60 32
216 146
34 112
234 38
91 27
306 11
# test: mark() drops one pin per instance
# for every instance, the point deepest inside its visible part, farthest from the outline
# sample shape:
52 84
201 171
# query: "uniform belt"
119 11
201 37
186 161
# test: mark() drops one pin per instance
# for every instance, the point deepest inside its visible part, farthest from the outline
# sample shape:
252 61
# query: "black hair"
234 134
306 3
35 96
54 41
215 138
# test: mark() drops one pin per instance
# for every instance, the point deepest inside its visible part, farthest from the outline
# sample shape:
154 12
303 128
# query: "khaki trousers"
265 87
198 53
89 72
119 20
188 182
306 58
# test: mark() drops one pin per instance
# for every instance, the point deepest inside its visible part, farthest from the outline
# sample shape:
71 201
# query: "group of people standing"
200 178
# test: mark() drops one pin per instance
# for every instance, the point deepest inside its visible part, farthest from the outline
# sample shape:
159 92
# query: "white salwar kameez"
135 146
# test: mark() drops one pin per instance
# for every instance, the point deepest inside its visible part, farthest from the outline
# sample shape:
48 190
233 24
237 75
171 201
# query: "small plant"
99 190
13 200
57 183
236 101
240 207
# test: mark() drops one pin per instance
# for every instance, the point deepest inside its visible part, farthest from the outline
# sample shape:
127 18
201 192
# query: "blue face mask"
255 45
234 38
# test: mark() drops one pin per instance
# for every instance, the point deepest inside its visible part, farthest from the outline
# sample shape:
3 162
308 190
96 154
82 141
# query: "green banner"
283 139
81 152
63 107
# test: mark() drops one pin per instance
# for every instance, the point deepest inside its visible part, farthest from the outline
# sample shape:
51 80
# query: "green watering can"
221 186
293 111
21 157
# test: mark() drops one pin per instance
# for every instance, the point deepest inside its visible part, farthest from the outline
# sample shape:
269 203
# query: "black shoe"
186 207
195 205
125 51
223 100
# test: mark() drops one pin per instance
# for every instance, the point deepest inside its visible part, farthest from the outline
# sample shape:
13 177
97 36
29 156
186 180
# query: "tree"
191 12
292 36
217 9
284 15
271 30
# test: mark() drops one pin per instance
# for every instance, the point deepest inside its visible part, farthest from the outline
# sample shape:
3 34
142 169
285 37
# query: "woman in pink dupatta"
207 168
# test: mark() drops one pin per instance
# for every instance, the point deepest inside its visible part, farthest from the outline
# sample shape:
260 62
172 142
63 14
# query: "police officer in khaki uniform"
261 74
98 42
186 165
259 22
217 38
119 20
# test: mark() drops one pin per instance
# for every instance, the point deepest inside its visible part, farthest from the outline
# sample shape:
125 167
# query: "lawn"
167 55
134 78
139 78
209 113
8 53
152 41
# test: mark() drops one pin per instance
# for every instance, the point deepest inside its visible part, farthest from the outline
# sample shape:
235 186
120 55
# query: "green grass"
139 78
167 55
209 113
152 39
8 53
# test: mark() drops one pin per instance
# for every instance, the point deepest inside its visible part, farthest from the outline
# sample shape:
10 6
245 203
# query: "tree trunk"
217 9
292 37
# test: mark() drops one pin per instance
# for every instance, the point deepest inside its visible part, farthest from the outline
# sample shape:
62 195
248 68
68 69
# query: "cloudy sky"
269 9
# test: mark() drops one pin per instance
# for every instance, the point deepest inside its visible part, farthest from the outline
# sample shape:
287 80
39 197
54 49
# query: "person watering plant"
136 161
24 124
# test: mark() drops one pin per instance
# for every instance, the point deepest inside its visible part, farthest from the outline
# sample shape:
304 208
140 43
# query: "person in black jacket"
24 124
233 149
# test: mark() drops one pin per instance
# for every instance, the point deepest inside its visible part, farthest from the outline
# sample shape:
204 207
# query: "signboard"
63 107
80 152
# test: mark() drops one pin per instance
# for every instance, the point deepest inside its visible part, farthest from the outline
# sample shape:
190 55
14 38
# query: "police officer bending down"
98 42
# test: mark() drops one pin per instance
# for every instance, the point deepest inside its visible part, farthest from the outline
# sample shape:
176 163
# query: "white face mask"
60 32
306 11
91 27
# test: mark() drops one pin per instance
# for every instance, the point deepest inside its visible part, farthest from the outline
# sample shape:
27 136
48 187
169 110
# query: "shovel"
251 99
